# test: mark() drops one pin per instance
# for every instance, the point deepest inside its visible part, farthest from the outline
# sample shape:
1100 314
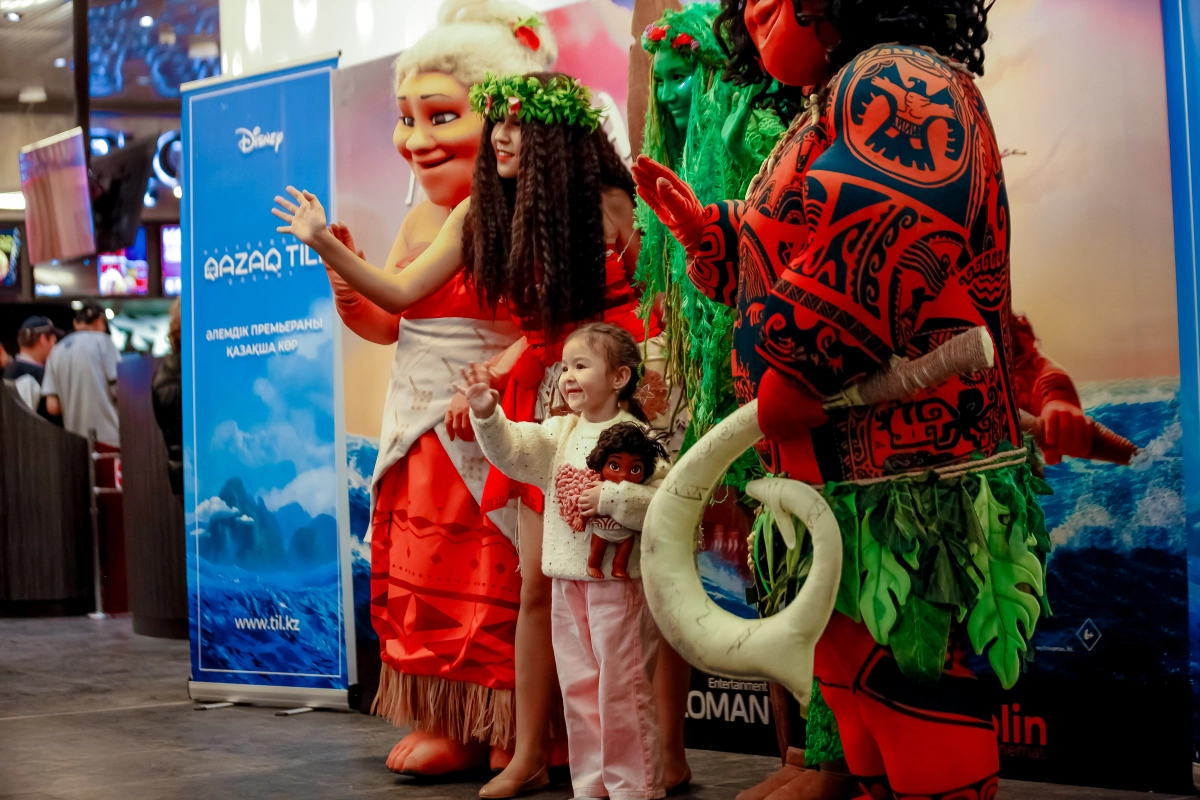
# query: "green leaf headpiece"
562 101
688 32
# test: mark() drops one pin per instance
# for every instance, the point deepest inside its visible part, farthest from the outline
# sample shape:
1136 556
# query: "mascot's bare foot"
424 753
813 785
792 769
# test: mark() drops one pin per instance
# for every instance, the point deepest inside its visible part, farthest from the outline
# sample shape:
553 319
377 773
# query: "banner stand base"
272 696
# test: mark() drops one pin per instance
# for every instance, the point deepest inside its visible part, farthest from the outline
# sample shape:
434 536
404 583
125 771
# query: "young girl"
605 641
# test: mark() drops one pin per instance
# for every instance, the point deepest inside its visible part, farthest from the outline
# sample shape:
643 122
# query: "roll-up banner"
1181 36
268 556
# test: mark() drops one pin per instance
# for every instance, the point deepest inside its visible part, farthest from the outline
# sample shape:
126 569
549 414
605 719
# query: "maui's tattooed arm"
714 269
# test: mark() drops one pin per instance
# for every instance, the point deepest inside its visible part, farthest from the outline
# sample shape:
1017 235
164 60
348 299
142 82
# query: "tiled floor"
89 710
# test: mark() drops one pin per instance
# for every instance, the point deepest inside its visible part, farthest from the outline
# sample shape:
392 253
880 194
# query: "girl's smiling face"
589 386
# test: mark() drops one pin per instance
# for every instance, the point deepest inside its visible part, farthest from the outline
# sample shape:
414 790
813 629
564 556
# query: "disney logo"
252 140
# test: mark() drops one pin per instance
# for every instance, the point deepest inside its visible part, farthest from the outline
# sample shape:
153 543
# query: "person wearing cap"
81 378
36 337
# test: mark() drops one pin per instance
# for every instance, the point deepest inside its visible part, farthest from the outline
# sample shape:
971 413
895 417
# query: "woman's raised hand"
305 218
476 386
672 200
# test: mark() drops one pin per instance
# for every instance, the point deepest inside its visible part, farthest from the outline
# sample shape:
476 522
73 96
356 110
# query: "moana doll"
626 452
448 656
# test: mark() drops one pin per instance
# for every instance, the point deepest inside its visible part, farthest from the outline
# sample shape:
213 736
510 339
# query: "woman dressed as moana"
445 584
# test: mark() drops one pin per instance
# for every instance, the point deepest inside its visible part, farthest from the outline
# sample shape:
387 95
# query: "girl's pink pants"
606 645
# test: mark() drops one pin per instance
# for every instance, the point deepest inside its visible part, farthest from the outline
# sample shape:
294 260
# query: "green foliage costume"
698 330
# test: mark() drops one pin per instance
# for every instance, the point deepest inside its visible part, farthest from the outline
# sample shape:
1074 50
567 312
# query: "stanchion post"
94 502
96 491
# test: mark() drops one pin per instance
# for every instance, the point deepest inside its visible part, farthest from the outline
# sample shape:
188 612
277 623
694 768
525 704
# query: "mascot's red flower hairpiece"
525 32
656 33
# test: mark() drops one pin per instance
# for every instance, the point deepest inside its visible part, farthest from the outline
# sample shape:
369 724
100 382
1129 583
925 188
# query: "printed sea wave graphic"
266 597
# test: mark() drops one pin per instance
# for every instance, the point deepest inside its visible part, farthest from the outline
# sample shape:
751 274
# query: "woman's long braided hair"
956 29
537 241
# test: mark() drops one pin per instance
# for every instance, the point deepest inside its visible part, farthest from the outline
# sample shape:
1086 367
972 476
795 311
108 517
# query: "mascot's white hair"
474 37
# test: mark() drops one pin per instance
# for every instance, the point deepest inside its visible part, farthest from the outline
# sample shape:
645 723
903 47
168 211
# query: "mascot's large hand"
1065 431
672 200
733 130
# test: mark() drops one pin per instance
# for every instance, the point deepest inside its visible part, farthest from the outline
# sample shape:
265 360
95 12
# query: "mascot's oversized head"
438 133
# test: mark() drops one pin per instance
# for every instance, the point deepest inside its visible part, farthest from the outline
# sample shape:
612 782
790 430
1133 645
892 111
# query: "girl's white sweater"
553 457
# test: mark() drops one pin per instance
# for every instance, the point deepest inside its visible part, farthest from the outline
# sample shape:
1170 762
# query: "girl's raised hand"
476 386
305 218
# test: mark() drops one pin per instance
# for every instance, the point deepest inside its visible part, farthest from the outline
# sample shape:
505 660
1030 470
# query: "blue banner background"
268 564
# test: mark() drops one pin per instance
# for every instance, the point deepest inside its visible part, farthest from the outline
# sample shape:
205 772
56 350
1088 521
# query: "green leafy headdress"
560 101
688 31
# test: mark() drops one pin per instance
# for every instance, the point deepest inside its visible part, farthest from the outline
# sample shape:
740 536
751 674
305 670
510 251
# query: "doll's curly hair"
956 29
632 438
537 241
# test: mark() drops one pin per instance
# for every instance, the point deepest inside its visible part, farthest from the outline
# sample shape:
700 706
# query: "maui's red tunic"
882 229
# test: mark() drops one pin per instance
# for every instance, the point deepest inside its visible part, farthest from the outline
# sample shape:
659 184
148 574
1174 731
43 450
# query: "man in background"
81 384
36 338
81 378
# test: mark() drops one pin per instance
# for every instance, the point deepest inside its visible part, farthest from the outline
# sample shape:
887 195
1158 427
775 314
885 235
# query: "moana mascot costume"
877 230
445 583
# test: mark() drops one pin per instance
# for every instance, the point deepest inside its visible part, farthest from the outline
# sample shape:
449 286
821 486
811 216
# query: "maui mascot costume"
873 355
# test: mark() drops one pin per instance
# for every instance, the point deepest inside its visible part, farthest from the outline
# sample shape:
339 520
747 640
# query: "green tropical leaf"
885 586
920 639
1008 607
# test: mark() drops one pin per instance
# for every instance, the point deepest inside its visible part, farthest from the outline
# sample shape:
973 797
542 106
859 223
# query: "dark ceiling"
28 48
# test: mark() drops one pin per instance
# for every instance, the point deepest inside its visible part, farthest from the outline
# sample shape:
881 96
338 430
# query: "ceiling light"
364 15
12 16
304 12
178 192
12 201
253 25
108 312
146 21
60 62
32 94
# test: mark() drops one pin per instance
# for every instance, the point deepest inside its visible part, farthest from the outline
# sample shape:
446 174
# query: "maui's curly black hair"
537 241
632 438
956 29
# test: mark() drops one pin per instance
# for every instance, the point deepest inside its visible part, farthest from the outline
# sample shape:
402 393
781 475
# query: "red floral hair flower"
526 36
684 40
657 33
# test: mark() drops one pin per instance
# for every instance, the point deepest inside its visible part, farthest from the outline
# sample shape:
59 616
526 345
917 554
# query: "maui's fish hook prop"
779 648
